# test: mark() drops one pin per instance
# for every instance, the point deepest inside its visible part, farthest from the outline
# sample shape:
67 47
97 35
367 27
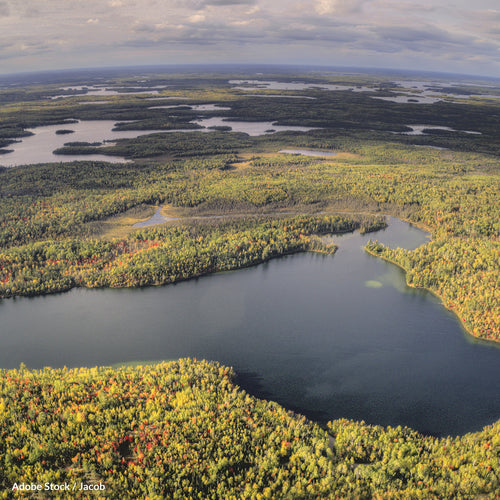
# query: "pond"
307 152
274 85
99 91
327 336
281 96
410 99
155 219
250 128
196 107
419 130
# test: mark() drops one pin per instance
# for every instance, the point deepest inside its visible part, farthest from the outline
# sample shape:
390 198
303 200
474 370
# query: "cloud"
324 7
197 18
345 34
228 2
407 7
252 10
201 4
4 9
410 34
357 31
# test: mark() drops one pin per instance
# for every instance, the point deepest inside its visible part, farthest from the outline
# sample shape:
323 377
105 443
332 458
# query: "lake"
410 99
99 91
326 336
196 107
421 95
274 85
419 130
38 148
307 152
250 128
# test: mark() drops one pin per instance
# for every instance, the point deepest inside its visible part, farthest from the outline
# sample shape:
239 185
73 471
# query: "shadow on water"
253 383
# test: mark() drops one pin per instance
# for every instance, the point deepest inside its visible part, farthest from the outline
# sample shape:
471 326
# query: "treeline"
462 272
165 255
183 430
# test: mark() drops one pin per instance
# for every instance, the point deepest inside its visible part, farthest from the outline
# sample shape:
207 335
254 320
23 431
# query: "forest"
183 429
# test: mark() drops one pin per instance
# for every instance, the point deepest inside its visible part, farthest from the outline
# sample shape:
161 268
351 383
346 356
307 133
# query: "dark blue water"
327 336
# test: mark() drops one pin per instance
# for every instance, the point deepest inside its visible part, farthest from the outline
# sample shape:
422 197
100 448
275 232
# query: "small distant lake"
38 148
327 336
250 128
280 96
94 102
307 152
155 219
410 99
181 98
419 130
196 107
173 106
274 85
208 107
98 91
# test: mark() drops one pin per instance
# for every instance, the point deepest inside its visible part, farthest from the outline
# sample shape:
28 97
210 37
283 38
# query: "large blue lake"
326 336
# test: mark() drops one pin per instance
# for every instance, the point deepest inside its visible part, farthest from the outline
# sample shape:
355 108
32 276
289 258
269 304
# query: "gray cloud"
326 7
32 12
410 34
4 9
339 34
229 2
334 31
201 4
208 35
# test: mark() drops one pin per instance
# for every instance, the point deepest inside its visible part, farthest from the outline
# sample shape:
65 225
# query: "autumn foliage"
183 430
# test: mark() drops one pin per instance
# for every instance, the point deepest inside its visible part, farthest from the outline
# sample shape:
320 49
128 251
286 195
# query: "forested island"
183 429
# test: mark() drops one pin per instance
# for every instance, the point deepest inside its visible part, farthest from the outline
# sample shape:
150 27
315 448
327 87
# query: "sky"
457 36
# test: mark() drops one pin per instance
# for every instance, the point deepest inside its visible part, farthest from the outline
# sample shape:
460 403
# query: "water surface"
419 130
99 91
155 219
327 336
250 128
307 152
410 99
274 85
38 148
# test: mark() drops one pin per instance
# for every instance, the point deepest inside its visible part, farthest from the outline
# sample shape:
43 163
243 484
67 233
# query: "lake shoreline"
437 295
327 250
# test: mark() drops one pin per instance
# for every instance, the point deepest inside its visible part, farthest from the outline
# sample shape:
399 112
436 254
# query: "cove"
326 336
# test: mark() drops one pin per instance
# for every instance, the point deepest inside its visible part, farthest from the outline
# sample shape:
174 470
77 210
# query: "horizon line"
324 67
